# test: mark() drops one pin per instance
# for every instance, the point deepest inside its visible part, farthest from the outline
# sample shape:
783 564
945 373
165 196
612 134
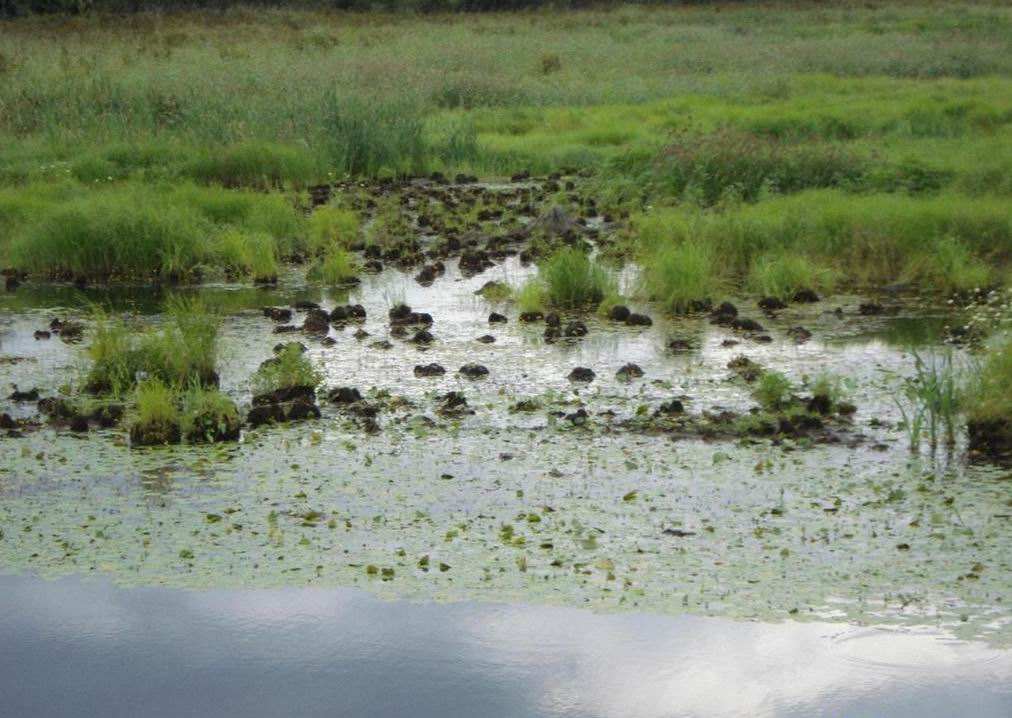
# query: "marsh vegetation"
660 253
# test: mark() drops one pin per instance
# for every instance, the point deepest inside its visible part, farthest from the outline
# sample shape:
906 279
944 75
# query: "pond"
495 561
82 648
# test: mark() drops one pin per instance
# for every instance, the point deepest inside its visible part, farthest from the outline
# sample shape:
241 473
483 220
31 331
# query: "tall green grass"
138 231
988 397
680 275
181 352
573 280
946 242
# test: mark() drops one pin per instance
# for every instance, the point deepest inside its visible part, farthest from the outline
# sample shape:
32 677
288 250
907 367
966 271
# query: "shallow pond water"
497 506
87 648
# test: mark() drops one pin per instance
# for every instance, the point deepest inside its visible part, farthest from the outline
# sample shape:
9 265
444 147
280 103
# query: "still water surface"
74 647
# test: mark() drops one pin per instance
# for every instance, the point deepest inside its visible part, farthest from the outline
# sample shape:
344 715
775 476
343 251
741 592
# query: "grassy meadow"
870 140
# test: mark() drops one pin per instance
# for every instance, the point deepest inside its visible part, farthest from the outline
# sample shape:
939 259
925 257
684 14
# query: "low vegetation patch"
182 352
153 232
781 245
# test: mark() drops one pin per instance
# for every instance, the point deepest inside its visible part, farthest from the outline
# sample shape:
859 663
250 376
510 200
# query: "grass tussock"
289 368
680 275
336 267
180 353
988 397
208 415
332 225
572 280
156 416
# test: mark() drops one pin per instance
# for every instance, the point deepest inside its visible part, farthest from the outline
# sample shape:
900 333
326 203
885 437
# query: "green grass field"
870 120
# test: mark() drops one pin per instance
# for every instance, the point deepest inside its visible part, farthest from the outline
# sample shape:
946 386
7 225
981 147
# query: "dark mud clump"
401 315
278 314
629 372
575 329
286 404
800 335
343 314
674 407
474 262
496 318
422 337
680 345
317 322
429 370
453 404
771 304
214 427
638 320
486 339
18 395
991 438
473 371
744 367
724 314
805 296
344 395
619 313
743 324
582 374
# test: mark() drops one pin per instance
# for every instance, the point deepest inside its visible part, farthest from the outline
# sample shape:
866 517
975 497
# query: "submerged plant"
933 401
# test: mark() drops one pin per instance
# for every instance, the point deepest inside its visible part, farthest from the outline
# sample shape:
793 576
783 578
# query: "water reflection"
82 648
